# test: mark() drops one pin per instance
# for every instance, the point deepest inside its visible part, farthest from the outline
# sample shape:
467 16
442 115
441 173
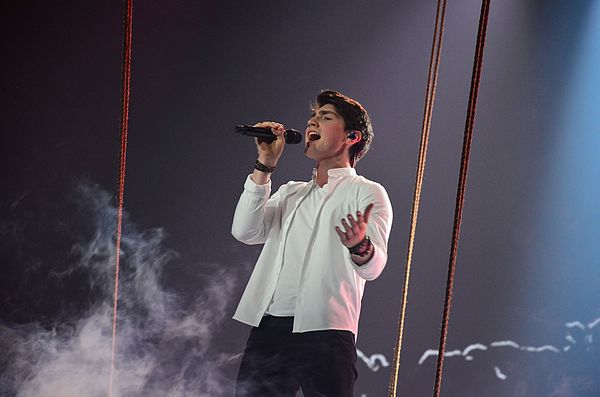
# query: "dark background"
529 254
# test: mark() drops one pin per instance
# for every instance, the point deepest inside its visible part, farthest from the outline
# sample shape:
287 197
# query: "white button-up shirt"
283 302
331 284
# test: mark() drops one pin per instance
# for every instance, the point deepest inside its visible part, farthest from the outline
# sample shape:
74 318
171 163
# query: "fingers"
270 150
276 128
354 230
354 226
350 230
353 223
364 218
341 234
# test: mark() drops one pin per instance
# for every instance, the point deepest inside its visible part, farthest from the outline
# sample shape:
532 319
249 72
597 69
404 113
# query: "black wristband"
362 248
263 168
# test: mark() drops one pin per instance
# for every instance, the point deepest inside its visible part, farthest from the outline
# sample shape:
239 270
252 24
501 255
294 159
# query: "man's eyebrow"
322 112
327 112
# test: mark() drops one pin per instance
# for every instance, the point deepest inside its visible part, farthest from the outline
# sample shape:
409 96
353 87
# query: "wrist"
362 249
258 165
268 161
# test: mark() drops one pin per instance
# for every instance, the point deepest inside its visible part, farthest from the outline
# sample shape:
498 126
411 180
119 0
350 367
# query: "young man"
322 240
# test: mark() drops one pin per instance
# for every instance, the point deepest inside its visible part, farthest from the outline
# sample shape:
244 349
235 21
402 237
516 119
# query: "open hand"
355 230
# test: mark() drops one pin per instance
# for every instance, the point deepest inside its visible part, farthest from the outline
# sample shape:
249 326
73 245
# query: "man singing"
322 240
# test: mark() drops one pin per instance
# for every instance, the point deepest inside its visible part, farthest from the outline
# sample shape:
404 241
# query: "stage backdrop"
526 309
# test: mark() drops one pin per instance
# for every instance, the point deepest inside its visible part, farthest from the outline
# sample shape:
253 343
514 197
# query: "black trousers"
277 362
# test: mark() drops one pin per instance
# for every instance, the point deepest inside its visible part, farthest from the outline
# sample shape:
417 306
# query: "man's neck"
323 168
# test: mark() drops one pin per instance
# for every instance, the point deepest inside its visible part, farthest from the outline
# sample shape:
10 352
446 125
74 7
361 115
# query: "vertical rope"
462 183
425 127
125 90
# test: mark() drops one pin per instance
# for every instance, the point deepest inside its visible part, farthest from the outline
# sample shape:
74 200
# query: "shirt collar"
335 173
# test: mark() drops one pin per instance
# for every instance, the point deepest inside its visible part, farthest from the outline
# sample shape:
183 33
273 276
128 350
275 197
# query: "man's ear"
354 136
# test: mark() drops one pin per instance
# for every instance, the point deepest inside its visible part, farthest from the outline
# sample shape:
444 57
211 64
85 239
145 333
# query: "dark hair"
355 118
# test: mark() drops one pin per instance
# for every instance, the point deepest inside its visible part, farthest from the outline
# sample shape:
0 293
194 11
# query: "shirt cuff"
251 187
372 268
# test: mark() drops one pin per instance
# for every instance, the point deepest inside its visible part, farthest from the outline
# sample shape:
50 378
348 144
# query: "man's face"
325 135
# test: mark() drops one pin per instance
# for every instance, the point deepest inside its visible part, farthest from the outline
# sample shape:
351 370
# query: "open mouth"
313 136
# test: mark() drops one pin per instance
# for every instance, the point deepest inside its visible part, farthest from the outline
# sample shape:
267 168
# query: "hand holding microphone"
270 140
265 134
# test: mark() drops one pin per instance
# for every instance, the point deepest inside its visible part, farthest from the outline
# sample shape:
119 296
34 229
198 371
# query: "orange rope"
462 183
125 91
434 61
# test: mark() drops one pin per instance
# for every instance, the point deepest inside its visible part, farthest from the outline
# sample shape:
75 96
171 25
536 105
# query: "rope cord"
125 91
462 182
427 112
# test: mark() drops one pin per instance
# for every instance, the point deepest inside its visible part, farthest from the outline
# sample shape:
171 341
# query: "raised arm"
268 153
255 211
369 256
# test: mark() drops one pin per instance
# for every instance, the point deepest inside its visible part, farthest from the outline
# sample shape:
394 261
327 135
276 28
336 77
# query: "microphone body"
291 136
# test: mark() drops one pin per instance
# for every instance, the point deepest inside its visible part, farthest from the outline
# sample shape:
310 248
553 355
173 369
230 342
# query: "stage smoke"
164 342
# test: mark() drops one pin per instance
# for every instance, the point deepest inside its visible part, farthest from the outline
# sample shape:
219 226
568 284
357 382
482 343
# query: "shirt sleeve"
378 230
254 213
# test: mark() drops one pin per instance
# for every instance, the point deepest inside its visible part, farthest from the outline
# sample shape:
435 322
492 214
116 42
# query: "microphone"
265 134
